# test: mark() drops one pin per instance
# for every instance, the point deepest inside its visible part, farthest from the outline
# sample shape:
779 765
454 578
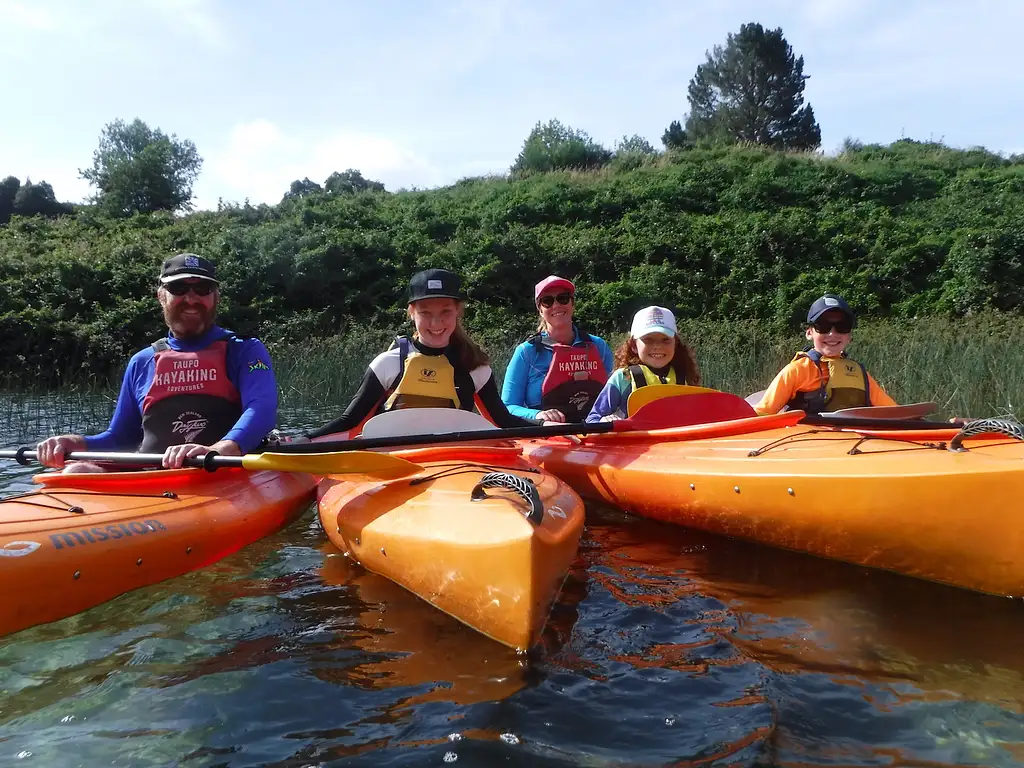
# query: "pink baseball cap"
550 283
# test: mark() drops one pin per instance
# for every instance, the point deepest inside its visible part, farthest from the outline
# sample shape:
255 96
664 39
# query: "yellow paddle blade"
380 466
641 397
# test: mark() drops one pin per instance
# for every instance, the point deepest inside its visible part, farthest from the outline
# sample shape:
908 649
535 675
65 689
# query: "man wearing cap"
557 373
200 389
823 378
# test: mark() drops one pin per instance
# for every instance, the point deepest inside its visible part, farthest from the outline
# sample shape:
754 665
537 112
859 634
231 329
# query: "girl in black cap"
439 367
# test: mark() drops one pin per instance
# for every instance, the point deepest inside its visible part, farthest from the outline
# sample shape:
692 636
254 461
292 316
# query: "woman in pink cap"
557 374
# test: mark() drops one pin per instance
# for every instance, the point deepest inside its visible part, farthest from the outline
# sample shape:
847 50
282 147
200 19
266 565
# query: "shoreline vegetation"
923 240
971 367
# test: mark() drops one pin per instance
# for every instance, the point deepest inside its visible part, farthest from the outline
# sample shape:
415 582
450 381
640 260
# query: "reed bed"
972 367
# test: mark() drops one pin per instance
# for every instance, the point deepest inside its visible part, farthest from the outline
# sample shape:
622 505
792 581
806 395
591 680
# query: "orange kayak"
83 539
897 500
480 533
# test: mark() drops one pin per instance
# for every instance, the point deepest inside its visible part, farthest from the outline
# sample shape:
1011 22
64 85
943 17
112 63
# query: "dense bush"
730 232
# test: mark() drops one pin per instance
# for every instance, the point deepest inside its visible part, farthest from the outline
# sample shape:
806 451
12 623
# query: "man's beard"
189 326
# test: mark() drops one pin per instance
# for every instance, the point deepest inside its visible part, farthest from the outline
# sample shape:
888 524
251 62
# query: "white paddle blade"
424 421
896 412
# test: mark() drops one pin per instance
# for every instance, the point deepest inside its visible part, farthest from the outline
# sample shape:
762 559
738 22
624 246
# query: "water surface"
666 647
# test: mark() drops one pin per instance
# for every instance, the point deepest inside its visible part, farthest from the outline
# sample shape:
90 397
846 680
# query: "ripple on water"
666 646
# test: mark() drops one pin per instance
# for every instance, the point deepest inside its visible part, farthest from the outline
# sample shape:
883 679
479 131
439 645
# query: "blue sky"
425 93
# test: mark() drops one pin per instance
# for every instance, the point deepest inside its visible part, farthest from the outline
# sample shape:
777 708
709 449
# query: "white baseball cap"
653 320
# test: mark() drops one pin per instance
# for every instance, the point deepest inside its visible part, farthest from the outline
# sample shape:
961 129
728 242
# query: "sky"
422 94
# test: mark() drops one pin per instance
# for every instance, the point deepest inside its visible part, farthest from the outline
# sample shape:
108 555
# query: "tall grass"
972 367
28 415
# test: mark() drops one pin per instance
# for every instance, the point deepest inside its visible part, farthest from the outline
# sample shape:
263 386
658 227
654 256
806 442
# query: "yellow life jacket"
847 385
642 376
428 381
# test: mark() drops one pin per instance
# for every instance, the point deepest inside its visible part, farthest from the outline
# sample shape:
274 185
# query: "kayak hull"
900 501
86 538
483 562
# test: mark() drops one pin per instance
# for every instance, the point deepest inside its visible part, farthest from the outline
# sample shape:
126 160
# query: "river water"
666 647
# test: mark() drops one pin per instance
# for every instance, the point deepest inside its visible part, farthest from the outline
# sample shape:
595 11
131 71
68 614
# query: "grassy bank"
973 367
970 367
902 231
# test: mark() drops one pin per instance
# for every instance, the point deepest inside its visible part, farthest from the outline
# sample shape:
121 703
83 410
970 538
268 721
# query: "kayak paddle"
650 419
377 465
860 422
638 398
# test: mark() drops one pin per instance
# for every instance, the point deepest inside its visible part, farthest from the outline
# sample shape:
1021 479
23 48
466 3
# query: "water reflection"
406 642
665 647
797 613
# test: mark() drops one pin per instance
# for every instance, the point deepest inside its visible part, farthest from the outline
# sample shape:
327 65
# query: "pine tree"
752 89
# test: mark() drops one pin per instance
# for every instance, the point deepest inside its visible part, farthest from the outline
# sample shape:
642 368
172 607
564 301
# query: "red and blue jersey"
249 377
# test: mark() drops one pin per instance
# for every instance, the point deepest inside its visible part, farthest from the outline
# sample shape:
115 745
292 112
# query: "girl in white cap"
653 354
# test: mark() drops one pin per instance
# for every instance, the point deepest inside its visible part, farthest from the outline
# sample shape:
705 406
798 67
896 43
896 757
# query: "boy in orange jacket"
823 378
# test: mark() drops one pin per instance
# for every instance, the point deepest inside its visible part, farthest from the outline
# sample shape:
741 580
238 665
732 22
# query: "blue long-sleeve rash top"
256 386
522 388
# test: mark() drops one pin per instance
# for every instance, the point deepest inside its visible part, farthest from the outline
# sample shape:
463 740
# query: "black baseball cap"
435 284
828 303
188 265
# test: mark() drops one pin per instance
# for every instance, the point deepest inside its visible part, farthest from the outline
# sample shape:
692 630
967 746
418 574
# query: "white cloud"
195 18
832 13
17 15
260 161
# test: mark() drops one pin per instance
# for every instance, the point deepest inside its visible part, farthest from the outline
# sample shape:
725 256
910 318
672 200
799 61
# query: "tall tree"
675 137
38 200
752 89
28 199
350 182
302 188
137 169
552 146
635 145
8 191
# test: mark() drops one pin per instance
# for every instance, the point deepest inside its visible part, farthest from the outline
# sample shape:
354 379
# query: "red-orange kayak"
906 501
85 538
480 533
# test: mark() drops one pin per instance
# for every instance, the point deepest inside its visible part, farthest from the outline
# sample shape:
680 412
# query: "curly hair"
684 361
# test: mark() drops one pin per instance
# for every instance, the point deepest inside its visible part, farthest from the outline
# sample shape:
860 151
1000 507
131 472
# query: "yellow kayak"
480 533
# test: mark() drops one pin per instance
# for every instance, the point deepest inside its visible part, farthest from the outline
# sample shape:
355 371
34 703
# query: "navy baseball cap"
828 303
186 265
435 284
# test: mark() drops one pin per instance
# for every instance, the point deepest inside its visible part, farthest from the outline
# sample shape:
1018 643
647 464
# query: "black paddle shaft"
866 422
512 433
210 461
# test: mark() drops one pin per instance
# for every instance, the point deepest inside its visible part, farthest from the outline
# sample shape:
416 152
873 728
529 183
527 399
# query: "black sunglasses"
549 301
180 288
842 326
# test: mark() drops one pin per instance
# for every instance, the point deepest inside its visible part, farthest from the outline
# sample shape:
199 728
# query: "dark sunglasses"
841 326
179 288
549 301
